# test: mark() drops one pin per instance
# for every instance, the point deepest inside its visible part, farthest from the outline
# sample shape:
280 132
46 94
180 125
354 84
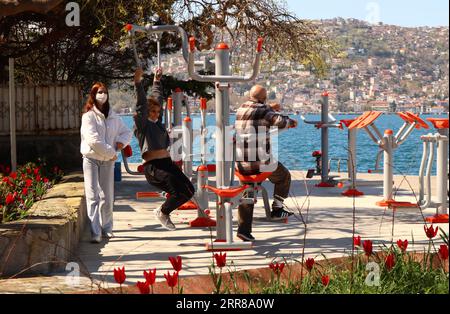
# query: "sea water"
295 146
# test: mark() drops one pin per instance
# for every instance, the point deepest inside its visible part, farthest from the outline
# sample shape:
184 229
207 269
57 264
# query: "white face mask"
154 121
101 98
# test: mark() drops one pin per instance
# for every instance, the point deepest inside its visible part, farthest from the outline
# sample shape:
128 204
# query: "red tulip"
28 170
357 241
367 245
6 179
390 262
310 263
402 244
28 183
24 191
144 287
36 171
325 280
277 267
150 277
177 263
13 175
443 251
10 198
221 259
45 180
38 178
119 275
171 280
430 232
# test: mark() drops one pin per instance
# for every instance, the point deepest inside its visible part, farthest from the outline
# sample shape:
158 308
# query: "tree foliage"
47 50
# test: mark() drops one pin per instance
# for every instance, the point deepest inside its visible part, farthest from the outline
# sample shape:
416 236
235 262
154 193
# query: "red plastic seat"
228 192
253 178
439 123
411 118
365 119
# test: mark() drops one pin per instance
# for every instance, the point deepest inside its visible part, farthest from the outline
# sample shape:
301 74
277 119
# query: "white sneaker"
164 219
109 235
96 238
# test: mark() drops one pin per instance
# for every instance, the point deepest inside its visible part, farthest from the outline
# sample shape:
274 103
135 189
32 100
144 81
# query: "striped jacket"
253 123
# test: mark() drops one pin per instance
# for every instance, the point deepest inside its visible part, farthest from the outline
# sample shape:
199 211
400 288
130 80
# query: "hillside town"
373 70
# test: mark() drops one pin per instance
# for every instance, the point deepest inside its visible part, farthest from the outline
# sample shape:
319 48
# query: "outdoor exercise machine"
327 121
431 141
388 143
222 79
225 193
352 133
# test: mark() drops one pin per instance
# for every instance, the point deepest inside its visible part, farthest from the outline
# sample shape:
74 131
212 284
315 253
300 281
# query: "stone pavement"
140 243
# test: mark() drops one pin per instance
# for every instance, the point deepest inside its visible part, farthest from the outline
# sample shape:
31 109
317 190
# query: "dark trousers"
281 178
165 175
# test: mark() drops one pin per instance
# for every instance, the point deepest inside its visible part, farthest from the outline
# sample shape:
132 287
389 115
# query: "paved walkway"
141 243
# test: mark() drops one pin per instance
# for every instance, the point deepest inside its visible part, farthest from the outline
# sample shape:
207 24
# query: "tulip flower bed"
391 270
20 189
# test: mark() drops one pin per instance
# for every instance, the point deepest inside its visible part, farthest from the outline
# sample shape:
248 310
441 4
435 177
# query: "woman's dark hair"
91 102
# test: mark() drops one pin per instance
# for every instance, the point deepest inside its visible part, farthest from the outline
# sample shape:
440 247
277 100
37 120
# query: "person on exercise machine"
160 170
250 116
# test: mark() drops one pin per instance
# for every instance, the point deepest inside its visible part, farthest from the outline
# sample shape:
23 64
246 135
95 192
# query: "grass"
412 273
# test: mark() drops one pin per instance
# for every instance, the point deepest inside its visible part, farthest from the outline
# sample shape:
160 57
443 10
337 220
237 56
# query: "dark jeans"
165 175
281 177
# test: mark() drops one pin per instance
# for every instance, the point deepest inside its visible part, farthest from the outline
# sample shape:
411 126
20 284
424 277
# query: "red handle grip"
169 103
128 27
260 43
203 103
191 44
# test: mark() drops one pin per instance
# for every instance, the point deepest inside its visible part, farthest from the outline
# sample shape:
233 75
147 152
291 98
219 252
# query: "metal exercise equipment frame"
352 168
440 141
388 143
222 78
225 193
327 121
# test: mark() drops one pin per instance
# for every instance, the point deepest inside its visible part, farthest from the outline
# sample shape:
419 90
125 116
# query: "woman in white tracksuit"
103 135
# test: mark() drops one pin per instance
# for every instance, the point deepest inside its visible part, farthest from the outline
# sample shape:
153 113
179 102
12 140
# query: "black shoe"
246 237
279 213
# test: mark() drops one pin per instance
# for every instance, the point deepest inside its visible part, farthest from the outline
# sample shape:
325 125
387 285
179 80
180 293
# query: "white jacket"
99 135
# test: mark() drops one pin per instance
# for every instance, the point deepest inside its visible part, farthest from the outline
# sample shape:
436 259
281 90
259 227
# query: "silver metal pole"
158 50
442 171
222 114
352 133
388 179
12 114
203 131
187 147
422 170
177 96
222 121
324 140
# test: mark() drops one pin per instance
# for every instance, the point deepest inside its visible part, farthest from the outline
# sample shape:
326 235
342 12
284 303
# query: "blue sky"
397 12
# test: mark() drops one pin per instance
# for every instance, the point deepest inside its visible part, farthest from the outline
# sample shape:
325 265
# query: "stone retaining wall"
46 240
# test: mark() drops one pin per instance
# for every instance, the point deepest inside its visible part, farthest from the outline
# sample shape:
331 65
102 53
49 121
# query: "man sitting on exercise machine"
251 116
